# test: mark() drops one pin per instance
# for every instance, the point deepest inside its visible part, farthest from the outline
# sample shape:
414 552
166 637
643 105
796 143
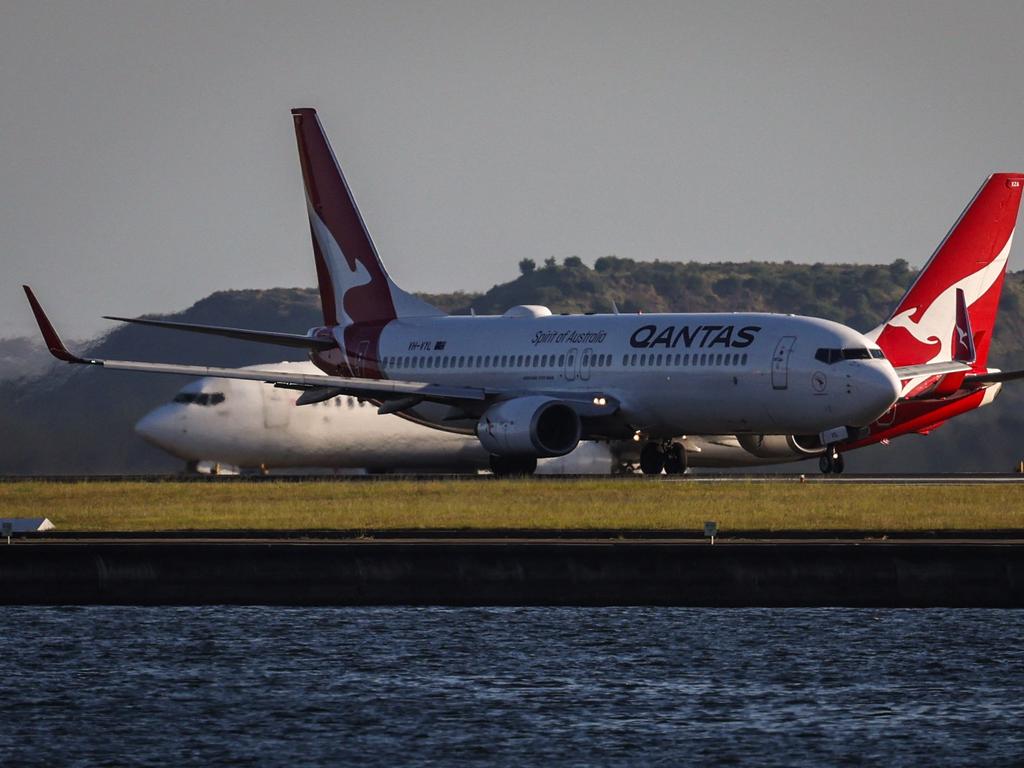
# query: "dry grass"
574 504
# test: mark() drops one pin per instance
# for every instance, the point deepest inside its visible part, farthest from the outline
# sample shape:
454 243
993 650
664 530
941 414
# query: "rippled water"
156 686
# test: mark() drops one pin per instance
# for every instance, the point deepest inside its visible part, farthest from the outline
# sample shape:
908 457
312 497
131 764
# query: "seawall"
512 571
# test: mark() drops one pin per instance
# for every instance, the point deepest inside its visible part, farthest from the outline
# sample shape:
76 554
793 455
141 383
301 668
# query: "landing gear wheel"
513 466
838 464
825 464
652 459
675 459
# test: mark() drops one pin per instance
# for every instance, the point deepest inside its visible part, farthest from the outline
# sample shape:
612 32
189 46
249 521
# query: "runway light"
710 530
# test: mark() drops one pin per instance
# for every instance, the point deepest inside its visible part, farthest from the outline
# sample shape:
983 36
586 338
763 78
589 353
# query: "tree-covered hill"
79 420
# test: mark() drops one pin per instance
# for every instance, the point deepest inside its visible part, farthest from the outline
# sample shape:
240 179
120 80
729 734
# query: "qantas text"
704 336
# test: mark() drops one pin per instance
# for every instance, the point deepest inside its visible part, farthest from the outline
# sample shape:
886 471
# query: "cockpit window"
859 353
199 398
829 355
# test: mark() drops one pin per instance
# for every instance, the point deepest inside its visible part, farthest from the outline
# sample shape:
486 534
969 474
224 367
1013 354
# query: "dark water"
87 686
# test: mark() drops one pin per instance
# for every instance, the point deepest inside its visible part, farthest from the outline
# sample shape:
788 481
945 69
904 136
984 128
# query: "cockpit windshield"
829 355
199 398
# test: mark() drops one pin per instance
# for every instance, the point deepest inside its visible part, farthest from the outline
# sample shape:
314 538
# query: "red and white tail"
354 285
926 325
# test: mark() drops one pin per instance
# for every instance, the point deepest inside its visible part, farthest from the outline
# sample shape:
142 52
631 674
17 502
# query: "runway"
1011 478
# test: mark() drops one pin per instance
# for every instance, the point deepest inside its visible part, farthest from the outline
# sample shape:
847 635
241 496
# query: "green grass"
573 504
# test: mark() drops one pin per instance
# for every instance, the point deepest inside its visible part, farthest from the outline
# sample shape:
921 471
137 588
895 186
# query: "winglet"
53 342
963 336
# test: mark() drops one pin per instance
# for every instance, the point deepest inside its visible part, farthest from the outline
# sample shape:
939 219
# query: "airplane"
529 384
221 426
225 426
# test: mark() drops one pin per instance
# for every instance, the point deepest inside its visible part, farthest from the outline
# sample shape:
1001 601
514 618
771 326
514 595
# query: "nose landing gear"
831 462
667 456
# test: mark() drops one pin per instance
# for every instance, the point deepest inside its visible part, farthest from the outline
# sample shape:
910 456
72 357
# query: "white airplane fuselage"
670 374
252 424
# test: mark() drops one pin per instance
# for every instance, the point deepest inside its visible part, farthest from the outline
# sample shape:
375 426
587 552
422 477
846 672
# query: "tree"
573 262
526 266
550 262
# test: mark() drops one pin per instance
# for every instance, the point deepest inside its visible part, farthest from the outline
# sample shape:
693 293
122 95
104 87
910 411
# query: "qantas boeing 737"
530 384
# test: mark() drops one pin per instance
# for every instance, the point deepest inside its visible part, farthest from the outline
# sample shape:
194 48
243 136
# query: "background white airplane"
226 425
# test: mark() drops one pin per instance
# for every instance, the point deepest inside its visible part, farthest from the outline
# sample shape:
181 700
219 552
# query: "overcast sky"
147 155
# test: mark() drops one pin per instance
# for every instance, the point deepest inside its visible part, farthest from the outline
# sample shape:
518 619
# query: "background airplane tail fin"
970 260
354 285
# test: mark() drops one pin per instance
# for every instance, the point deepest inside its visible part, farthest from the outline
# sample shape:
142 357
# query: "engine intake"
529 426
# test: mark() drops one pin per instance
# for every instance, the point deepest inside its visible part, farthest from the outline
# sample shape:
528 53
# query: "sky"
147 156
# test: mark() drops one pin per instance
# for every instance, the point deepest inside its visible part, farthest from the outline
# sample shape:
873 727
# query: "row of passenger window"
651 360
495 361
559 361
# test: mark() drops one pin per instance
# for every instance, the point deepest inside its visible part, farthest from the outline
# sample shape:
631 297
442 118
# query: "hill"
80 420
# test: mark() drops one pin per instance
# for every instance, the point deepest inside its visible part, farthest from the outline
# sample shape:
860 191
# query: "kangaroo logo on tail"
970 261
357 295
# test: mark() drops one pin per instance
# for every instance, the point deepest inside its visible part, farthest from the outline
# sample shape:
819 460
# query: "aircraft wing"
338 385
993 377
394 395
267 337
931 369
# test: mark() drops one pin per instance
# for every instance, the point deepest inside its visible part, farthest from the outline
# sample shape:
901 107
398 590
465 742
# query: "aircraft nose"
157 427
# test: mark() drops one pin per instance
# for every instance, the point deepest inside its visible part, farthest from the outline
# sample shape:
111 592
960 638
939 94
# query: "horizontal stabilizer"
265 337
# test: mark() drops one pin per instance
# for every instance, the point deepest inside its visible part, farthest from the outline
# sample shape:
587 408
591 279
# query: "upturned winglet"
53 342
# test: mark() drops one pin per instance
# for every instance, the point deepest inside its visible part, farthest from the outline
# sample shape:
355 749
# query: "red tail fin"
354 285
972 259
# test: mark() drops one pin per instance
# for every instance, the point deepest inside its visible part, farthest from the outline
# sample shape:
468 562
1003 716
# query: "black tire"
825 464
652 459
675 459
513 466
838 464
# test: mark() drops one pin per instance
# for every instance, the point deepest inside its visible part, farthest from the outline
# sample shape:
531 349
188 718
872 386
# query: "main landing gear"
831 461
513 466
667 456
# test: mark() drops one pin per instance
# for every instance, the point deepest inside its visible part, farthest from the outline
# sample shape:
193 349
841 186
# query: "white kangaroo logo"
940 317
343 278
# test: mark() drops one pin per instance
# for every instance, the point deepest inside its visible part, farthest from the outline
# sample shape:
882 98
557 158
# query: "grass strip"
570 504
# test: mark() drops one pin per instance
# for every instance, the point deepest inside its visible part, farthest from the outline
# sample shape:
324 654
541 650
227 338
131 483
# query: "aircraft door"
570 364
780 362
585 362
277 406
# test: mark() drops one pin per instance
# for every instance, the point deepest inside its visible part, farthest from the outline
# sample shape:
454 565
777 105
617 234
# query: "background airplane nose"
156 427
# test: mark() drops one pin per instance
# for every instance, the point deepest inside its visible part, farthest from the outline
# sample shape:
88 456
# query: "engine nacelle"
529 426
781 446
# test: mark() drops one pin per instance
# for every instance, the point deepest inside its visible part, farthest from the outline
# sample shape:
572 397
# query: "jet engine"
529 426
781 446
